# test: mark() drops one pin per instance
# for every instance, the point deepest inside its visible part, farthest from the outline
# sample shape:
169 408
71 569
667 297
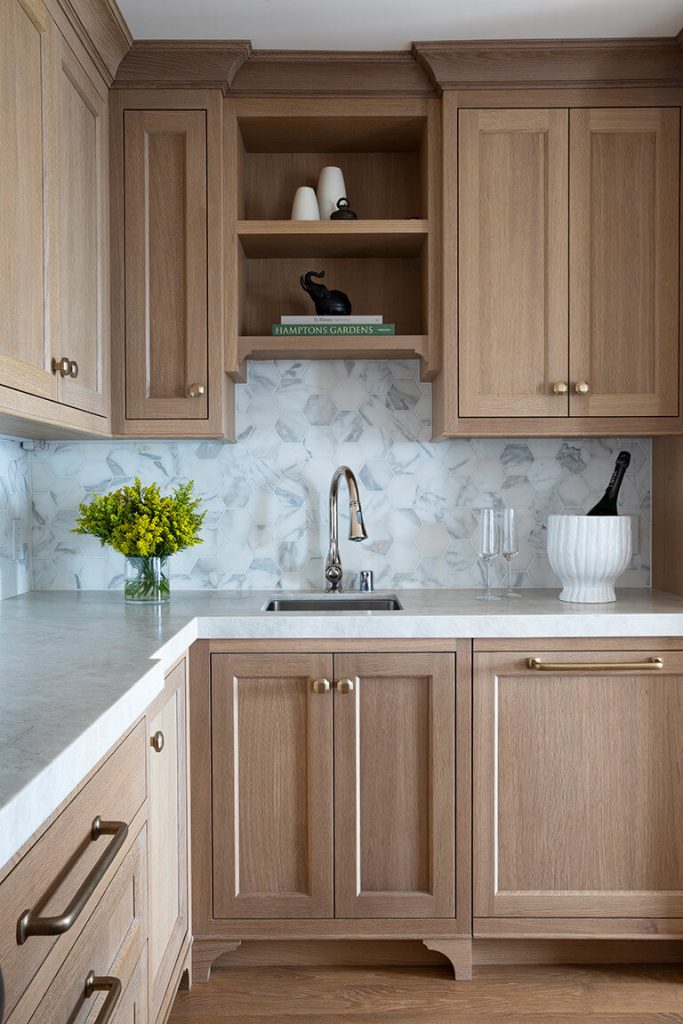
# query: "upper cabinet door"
26 42
394 765
271 736
513 263
79 262
166 285
624 274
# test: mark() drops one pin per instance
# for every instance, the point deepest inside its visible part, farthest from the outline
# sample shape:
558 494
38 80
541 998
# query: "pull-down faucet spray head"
357 531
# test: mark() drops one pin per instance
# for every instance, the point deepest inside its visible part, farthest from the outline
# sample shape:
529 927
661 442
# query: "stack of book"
332 326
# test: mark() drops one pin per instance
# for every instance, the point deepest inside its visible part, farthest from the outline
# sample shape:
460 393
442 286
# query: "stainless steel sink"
334 603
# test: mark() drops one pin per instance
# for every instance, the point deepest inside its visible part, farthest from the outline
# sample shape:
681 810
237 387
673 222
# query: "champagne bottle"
607 506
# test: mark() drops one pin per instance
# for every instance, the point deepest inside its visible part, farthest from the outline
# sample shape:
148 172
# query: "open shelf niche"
387 261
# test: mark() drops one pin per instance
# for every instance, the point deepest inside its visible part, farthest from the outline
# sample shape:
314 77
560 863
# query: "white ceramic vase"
331 189
589 554
305 205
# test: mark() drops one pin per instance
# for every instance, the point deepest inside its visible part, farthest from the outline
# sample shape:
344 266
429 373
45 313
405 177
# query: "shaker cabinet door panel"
624 271
513 240
79 263
168 834
394 764
27 40
166 283
272 786
578 786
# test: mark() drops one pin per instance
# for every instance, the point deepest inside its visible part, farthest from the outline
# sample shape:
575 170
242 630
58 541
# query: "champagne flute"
489 548
509 545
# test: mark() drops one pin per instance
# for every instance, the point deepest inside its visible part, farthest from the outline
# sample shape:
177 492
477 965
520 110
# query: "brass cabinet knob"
321 686
345 686
61 366
157 741
560 388
196 390
65 367
582 388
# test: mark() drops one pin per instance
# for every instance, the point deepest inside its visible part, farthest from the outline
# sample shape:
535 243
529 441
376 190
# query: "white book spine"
304 320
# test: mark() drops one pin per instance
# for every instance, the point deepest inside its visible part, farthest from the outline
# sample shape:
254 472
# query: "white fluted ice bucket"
589 554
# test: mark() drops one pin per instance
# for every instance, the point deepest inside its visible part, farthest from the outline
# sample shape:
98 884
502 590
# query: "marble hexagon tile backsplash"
266 496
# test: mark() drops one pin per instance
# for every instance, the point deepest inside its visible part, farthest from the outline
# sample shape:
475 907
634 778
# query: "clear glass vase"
147 580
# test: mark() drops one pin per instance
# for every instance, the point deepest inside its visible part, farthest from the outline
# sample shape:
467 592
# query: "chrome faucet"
357 532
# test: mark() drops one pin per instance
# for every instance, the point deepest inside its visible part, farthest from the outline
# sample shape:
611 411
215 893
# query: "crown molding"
171 63
101 27
536 63
332 73
236 69
426 70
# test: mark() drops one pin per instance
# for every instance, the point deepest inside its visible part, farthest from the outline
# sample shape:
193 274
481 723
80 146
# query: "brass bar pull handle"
321 686
31 923
345 686
113 988
650 665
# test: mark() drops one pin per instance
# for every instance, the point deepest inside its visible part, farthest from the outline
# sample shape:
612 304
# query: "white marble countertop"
76 670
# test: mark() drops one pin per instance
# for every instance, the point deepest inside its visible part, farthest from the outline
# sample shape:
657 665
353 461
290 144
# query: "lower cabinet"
168 840
333 800
578 784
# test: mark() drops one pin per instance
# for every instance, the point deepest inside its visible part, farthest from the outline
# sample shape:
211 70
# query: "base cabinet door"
168 834
394 764
271 736
578 785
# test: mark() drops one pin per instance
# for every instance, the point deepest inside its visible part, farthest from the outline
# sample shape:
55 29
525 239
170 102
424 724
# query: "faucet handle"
367 581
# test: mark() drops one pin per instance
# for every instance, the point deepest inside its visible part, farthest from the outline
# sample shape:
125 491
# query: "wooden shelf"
352 238
401 346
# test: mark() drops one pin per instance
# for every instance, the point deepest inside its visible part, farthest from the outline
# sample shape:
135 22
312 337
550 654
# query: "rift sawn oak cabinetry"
330 793
578 788
54 256
167 222
565 319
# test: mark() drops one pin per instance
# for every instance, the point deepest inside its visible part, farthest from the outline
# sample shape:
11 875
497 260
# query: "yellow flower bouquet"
147 528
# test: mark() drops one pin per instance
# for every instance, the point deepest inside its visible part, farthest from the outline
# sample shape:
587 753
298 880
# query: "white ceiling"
393 24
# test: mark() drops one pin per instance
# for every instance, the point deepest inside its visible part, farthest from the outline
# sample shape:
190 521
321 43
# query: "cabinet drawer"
59 865
133 1006
109 948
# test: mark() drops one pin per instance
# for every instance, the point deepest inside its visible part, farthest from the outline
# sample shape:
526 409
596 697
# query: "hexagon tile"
266 495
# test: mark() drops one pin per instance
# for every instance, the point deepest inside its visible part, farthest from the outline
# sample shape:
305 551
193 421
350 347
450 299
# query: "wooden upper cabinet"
168 833
624 272
166 264
394 764
79 254
578 785
27 41
513 242
271 737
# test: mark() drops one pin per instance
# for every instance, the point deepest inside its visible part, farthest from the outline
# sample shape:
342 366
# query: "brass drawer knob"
582 388
560 388
345 686
196 390
321 686
157 741
73 369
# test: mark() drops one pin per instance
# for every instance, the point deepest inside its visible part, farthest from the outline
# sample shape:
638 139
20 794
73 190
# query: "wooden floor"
410 995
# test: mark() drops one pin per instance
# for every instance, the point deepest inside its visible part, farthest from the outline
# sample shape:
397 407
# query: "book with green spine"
332 330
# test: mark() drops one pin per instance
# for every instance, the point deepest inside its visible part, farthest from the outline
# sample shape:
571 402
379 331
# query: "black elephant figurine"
327 303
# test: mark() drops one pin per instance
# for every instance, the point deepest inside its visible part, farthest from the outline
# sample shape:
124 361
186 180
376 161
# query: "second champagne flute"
509 545
489 548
